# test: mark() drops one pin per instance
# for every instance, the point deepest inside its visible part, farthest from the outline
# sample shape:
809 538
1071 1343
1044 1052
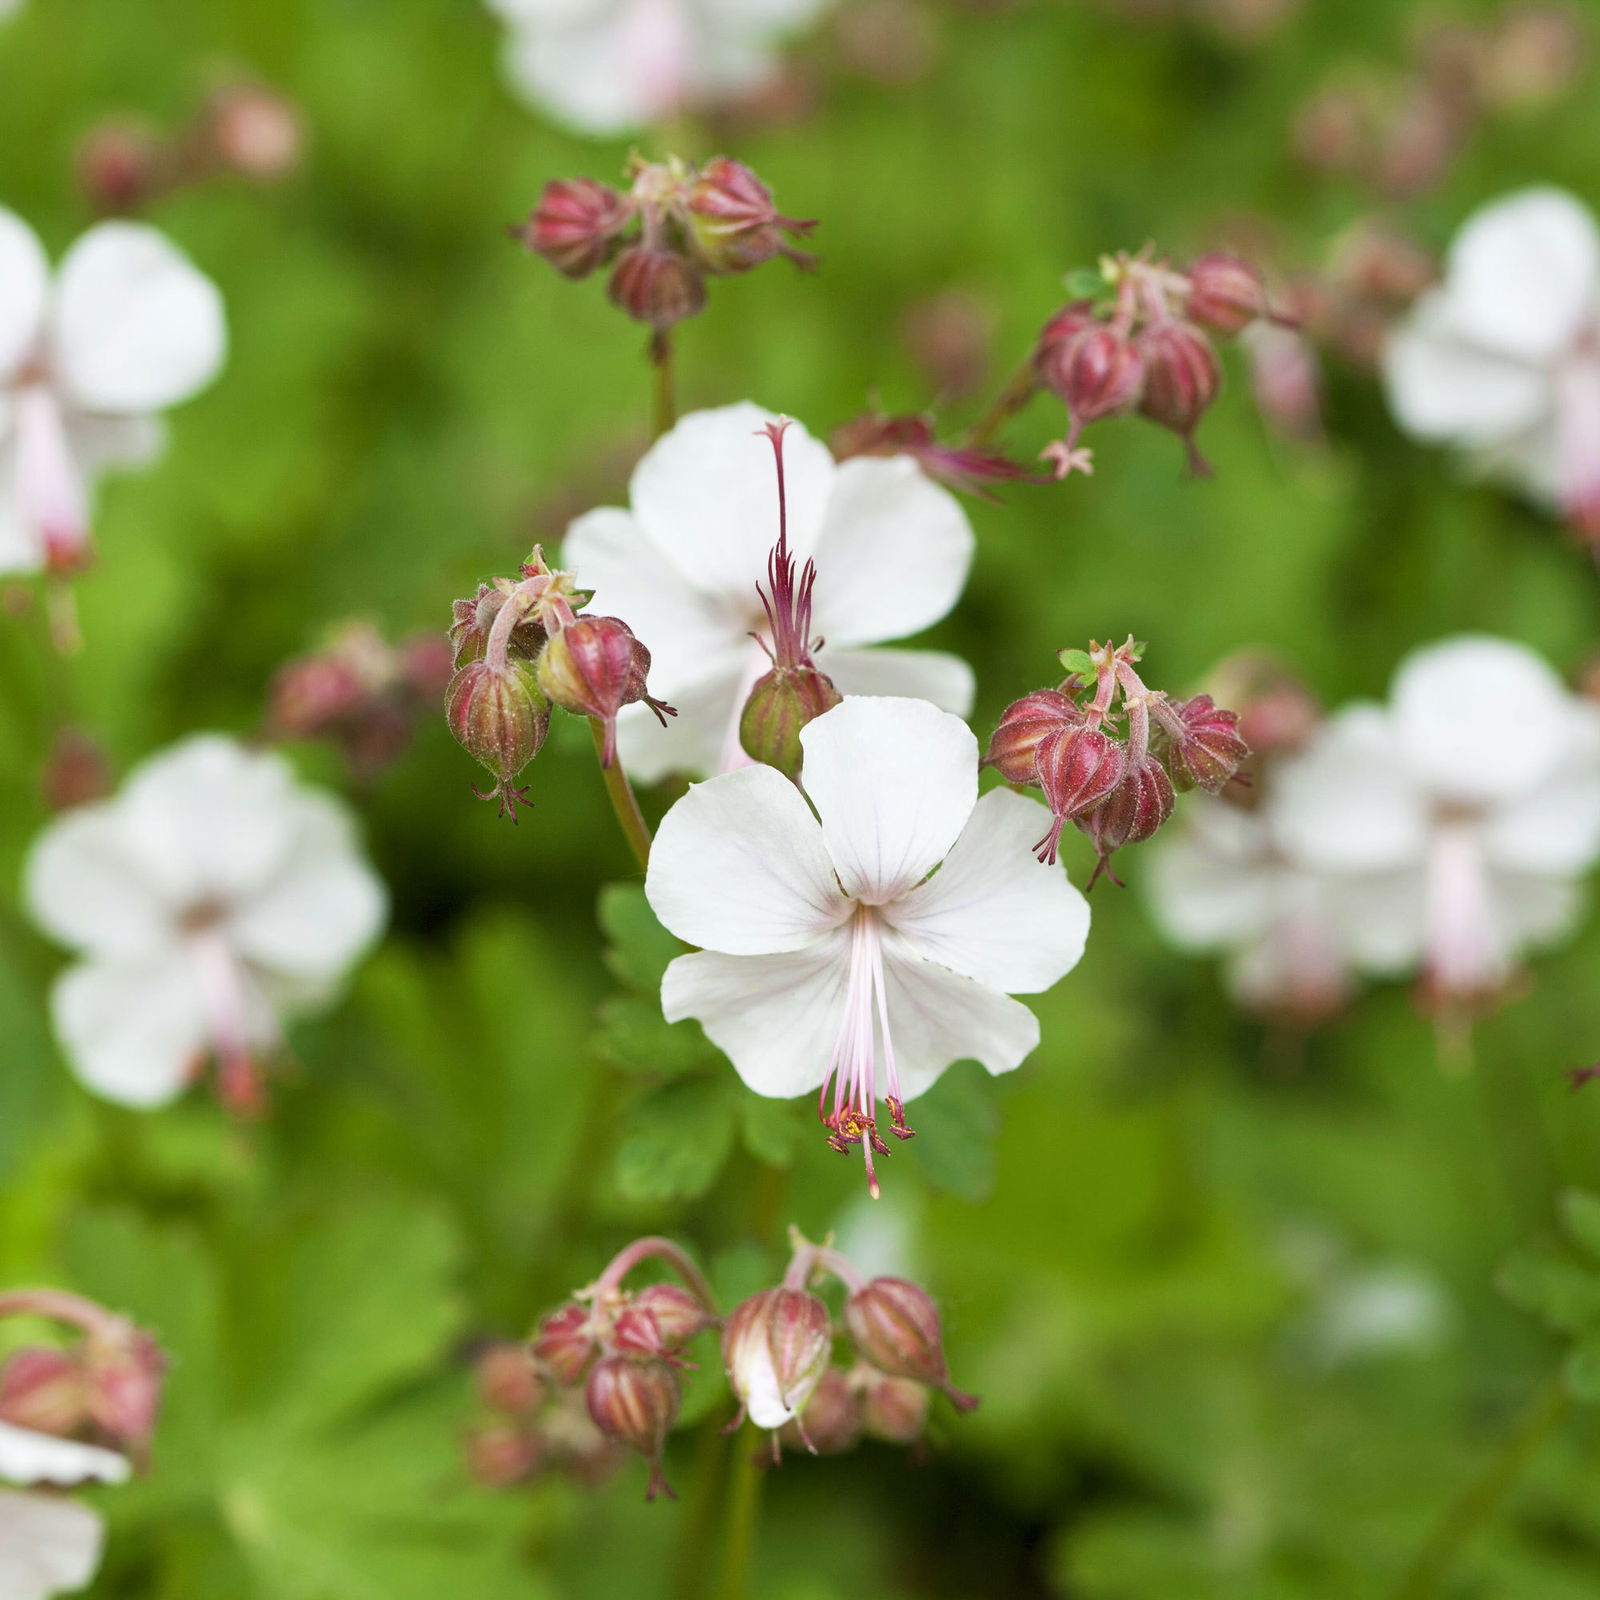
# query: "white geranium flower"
212 896
681 568
832 950
605 66
128 328
1503 359
1476 791
49 1544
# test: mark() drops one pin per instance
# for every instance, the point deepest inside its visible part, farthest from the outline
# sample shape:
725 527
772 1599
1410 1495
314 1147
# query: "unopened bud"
1098 372
1182 376
120 168
593 667
473 620
43 1389
1133 811
575 225
893 1410
660 1320
309 695
500 717
76 771
426 665
1077 769
1023 726
123 1377
659 287
782 702
776 1347
1225 294
502 1454
1206 745
1057 334
255 131
831 1422
733 224
507 1379
564 1343
636 1403
895 1326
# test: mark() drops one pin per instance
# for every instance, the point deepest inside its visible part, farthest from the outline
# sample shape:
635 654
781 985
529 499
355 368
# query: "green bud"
780 705
500 718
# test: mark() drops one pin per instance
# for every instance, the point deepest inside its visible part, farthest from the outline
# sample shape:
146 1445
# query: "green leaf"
1580 1214
1076 662
1085 283
633 1036
770 1129
639 947
675 1141
1561 1293
955 1126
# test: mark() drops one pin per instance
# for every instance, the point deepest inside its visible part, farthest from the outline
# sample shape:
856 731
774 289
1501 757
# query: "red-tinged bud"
1225 294
473 620
43 1389
75 772
507 1379
831 1420
500 718
660 1318
503 1454
1182 376
1206 748
895 1326
120 168
1057 334
893 1410
782 702
1134 810
776 1347
733 224
564 1343
657 286
255 132
575 225
636 1403
594 667
123 1377
1098 372
310 695
1023 726
1077 770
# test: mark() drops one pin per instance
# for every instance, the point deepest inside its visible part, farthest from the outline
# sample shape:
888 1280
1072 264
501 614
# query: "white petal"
98 442
49 1545
324 906
706 495
1524 272
1480 719
932 675
992 911
738 866
1554 828
1211 886
692 742
20 550
132 1031
1380 918
774 1017
29 1457
763 1399
86 886
24 290
938 1017
1537 911
571 66
894 782
893 553
137 327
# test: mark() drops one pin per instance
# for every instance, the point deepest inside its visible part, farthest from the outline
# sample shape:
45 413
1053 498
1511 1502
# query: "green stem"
666 406
694 1545
739 1529
1019 390
629 817
1483 1498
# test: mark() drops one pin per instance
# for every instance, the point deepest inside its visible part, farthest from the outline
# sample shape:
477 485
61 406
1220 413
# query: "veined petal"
739 866
24 291
933 675
1554 827
894 782
992 911
30 1457
49 1544
131 1030
892 555
137 327
774 1017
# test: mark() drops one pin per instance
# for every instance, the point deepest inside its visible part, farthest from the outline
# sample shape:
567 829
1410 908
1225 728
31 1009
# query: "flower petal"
894 782
131 1030
48 1544
24 291
20 550
892 555
30 1457
933 675
1554 827
693 741
739 866
569 64
1211 887
137 326
774 1017
1536 911
992 911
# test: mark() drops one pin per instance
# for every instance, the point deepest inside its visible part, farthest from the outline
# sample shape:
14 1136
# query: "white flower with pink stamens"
127 329
211 897
683 566
49 1543
868 945
1503 358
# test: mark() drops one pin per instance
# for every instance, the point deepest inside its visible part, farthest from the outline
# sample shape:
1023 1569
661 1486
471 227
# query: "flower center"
1467 951
862 1039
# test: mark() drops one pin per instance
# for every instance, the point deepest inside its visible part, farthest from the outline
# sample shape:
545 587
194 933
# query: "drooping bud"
895 1326
1023 726
501 1454
500 718
656 286
1225 294
636 1403
593 667
473 620
1056 335
1077 769
830 1425
1182 376
893 1410
660 1320
1206 747
507 1379
733 224
575 225
782 702
776 1347
1098 372
564 1342
1133 811
43 1389
123 1377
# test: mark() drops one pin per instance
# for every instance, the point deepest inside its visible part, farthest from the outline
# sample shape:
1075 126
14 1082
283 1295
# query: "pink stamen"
225 993
1578 443
51 498
1467 952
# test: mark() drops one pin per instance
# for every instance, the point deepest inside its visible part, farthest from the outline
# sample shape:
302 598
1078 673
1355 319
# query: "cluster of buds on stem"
520 647
1141 340
778 1348
674 226
1109 753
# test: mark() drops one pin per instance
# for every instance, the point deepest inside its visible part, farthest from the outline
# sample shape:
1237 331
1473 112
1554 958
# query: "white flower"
127 329
1503 360
1476 792
49 1544
832 951
681 568
605 66
211 896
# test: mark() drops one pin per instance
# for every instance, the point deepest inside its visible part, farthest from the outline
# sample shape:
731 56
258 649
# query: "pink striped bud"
1206 746
575 225
659 1321
830 1425
733 224
656 286
123 1378
776 1347
1134 810
895 1326
893 1410
1182 376
1077 769
1225 294
1023 727
564 1342
594 666
1098 372
500 718
507 1379
501 1454
43 1389
636 1403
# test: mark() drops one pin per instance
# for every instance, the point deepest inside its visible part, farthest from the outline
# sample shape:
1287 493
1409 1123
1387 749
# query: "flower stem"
661 1250
1019 390
1483 1498
739 1527
661 357
629 817
694 1545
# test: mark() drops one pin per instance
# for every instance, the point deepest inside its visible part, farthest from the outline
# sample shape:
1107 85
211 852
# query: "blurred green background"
1149 1241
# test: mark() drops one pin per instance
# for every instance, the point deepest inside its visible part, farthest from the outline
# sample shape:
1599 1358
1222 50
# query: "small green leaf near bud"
1085 283
1076 662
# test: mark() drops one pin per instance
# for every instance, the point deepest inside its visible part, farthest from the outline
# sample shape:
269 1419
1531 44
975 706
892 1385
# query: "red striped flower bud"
733 224
1097 371
500 718
1182 376
1023 727
830 1425
1206 747
776 1347
636 1402
656 286
1225 294
1134 810
594 666
564 1342
1077 769
659 1321
575 225
895 1326
893 1410
43 1389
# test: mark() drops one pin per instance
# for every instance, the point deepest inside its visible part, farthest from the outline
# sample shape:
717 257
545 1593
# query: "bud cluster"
520 647
674 226
1110 753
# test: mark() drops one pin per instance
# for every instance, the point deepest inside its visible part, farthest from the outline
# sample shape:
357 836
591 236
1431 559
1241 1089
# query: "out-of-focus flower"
684 565
832 952
128 328
252 130
49 1544
211 897
1503 359
605 66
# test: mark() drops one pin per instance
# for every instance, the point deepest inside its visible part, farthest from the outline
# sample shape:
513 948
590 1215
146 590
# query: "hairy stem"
623 802
658 1249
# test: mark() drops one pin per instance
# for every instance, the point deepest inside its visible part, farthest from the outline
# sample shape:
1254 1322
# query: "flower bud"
123 1377
43 1389
1097 371
594 667
636 1403
782 702
474 619
564 1342
75 772
830 1425
1057 334
502 1454
309 695
575 225
733 224
255 131
507 1379
1077 769
121 168
895 1326
1225 294
1133 811
1182 376
659 1320
776 1347
1206 746
500 718
1023 726
656 286
893 1410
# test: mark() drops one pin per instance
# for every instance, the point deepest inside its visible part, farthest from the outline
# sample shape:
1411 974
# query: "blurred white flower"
832 951
210 897
49 1544
127 328
681 568
1503 359
1475 791
605 66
